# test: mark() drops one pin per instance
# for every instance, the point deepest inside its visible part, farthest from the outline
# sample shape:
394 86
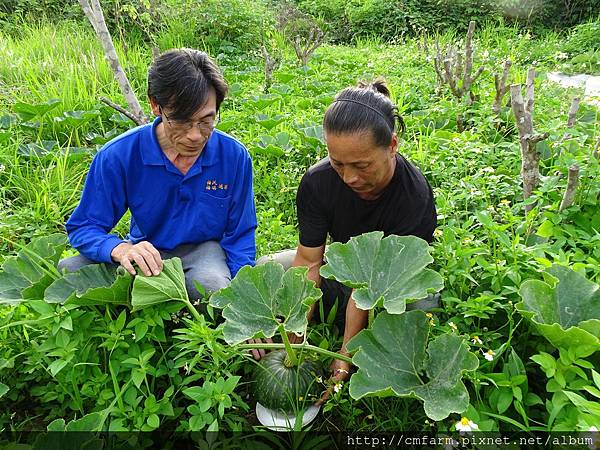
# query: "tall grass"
64 61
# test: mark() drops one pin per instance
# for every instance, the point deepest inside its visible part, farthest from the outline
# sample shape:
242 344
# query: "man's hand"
144 254
340 372
259 353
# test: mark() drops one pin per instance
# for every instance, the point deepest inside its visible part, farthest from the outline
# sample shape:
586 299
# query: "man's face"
188 137
365 168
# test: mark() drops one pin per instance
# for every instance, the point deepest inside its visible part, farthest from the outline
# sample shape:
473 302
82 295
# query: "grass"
485 246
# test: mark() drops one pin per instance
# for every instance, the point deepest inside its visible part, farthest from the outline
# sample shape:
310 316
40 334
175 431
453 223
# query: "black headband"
361 103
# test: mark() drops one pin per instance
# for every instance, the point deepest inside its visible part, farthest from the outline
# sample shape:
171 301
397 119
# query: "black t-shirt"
326 205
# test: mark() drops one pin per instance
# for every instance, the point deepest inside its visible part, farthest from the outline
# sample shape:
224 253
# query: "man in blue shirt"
187 185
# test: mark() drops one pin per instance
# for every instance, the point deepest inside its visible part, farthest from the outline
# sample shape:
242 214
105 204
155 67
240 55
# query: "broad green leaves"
566 313
386 272
393 359
169 285
262 298
91 285
26 275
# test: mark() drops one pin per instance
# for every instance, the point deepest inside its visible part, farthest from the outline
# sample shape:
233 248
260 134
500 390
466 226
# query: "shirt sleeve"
312 219
102 204
239 240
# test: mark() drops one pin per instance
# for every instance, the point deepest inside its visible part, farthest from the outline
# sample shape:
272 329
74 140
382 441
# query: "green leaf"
262 298
29 111
3 389
57 366
153 290
140 330
153 421
393 359
31 270
89 422
504 400
568 313
387 272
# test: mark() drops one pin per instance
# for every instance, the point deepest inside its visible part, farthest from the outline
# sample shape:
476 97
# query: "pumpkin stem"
291 359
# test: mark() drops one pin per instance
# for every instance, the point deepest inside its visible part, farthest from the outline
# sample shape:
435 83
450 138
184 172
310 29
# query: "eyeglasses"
205 126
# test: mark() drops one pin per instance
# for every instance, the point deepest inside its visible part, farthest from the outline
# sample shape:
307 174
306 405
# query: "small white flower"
489 355
476 340
2 168
465 424
451 325
561 55
488 170
320 379
337 386
186 368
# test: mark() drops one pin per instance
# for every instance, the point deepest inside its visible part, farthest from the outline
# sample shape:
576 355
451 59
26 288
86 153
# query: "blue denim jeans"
205 263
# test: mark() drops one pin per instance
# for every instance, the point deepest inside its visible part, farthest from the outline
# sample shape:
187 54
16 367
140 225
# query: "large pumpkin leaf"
386 272
567 312
168 286
262 298
26 275
393 359
95 284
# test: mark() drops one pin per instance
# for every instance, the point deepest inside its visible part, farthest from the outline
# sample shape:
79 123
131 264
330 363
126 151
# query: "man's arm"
102 204
239 240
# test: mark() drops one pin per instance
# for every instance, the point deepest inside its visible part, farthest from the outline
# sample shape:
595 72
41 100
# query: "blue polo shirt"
213 201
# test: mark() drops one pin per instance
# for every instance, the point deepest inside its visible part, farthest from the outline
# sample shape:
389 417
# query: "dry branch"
572 183
270 65
455 70
305 47
530 158
573 112
501 87
119 108
93 12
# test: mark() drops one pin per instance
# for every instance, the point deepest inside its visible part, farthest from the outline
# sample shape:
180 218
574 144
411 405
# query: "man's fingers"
154 256
128 267
257 353
325 396
150 262
141 263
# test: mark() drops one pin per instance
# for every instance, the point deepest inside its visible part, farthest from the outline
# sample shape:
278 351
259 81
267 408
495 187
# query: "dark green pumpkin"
286 388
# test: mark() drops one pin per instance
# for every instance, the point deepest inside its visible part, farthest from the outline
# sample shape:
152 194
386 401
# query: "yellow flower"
465 424
489 355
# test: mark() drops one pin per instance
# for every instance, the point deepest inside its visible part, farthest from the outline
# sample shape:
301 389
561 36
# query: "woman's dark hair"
181 79
365 108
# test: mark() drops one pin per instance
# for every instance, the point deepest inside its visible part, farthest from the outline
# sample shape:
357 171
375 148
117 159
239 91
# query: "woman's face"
365 168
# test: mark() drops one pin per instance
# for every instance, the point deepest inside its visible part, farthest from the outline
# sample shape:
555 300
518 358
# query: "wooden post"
573 112
501 87
530 158
93 12
572 183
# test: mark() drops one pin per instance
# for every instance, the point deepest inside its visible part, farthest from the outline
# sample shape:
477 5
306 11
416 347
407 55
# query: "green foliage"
66 361
386 272
263 300
566 312
394 357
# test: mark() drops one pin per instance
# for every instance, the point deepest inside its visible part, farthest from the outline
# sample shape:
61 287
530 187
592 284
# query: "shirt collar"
152 154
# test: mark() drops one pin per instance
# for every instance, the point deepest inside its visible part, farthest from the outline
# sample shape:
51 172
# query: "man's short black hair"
180 80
